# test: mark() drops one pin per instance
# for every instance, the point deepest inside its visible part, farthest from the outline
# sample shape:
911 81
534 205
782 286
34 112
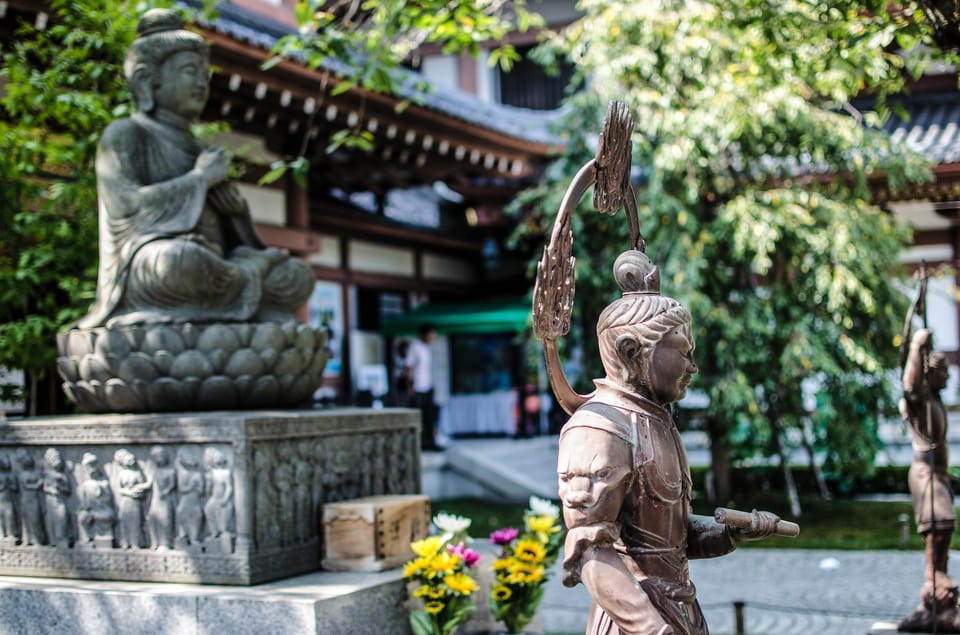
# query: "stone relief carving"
219 508
189 512
162 513
31 515
56 490
8 508
132 489
96 514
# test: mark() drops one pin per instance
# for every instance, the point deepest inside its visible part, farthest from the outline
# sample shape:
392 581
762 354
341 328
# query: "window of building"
527 85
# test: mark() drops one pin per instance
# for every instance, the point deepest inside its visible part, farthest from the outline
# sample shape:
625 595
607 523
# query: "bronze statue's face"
184 84
672 367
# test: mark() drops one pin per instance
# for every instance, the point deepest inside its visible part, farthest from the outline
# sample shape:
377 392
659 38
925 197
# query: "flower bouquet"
521 569
441 573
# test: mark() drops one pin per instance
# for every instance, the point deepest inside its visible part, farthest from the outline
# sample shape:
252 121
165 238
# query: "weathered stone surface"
221 497
328 603
162 368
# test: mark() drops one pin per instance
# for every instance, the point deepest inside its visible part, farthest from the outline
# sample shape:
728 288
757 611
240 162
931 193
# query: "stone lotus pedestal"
178 367
218 497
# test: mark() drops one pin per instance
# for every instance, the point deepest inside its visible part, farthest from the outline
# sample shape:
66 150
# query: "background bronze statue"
623 475
924 376
193 311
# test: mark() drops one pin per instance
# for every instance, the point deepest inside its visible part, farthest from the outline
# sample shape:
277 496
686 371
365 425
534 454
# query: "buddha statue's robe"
171 250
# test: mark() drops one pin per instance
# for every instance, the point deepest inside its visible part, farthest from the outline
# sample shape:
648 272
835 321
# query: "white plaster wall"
267 205
442 70
437 267
373 258
328 254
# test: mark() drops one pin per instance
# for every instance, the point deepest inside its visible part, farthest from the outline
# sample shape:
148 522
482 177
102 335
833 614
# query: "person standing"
419 371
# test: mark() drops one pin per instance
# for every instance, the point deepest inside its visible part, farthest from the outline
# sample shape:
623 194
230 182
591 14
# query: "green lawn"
834 524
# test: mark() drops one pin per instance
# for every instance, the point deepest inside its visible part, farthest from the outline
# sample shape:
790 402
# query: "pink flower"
469 556
504 536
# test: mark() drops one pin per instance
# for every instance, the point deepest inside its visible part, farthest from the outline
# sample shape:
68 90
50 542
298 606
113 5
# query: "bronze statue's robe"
166 253
631 546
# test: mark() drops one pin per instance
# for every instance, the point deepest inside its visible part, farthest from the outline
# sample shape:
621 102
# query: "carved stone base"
221 497
177 367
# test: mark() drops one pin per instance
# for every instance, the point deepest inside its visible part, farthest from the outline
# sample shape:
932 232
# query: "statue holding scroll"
176 239
193 311
623 476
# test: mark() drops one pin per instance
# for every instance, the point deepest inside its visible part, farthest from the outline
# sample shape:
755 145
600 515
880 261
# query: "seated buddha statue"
177 242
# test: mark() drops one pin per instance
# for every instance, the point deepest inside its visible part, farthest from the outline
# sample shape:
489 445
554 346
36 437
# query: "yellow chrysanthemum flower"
427 547
529 551
501 592
422 591
433 607
460 583
436 592
501 564
442 564
414 567
525 574
542 525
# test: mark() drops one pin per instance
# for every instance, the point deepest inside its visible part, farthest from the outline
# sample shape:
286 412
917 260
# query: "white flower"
451 524
543 507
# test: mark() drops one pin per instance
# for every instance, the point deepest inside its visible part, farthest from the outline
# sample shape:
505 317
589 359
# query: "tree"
64 85
755 203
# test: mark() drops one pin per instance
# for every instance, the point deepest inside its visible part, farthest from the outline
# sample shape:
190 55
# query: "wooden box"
373 533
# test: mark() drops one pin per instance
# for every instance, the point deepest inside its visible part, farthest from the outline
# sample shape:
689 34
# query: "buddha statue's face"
671 367
184 84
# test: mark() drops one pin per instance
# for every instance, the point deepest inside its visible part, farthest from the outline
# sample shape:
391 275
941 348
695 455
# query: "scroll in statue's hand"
214 165
762 525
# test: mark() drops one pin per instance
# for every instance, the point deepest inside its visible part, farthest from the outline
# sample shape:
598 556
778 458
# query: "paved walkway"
786 592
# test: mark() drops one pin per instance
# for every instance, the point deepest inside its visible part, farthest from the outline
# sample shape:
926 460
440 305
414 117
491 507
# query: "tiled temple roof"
248 27
933 127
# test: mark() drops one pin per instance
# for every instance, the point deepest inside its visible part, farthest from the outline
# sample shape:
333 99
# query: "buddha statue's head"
168 67
645 339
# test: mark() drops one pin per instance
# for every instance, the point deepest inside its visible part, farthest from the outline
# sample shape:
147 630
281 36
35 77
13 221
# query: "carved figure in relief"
8 505
31 505
265 498
177 242
283 483
96 514
56 490
162 512
302 479
190 486
132 487
218 510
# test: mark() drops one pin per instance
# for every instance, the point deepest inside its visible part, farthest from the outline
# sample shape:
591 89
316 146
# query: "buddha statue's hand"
214 165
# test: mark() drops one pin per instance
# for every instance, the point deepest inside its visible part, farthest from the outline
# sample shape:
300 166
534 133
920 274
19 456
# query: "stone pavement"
786 592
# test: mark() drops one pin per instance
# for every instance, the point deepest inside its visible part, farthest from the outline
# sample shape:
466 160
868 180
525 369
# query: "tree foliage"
755 201
64 85
366 43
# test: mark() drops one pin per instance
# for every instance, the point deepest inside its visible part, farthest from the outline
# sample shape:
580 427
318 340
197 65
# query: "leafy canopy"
755 199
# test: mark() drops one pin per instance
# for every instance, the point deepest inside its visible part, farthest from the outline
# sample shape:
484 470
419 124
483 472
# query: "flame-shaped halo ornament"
553 291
